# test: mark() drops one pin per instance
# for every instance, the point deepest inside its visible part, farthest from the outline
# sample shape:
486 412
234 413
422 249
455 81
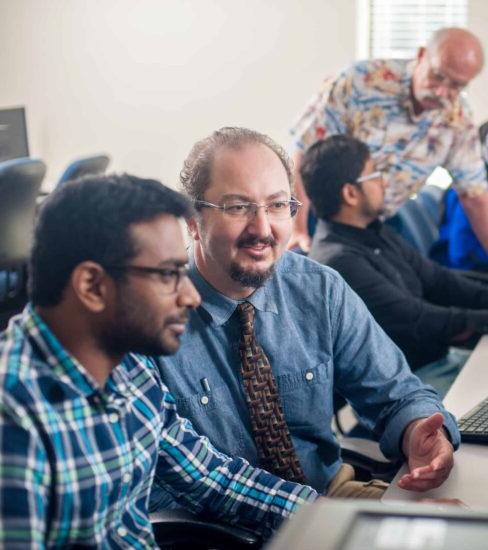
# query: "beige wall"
143 79
478 23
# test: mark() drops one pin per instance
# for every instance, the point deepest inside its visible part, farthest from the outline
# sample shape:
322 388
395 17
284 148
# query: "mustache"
249 240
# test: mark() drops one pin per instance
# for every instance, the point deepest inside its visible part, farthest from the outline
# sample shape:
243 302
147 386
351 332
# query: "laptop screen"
409 532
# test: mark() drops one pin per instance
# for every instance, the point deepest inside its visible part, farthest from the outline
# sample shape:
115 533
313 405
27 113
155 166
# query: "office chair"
96 164
20 180
181 530
415 226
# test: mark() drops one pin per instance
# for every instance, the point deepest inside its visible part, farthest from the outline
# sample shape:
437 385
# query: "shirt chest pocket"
215 415
307 396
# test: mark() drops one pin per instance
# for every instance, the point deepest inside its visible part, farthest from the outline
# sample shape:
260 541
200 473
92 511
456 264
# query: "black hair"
89 219
327 166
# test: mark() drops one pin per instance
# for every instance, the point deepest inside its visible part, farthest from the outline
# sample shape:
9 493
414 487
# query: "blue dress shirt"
318 335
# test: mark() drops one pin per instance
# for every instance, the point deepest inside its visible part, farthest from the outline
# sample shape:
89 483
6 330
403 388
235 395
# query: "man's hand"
429 452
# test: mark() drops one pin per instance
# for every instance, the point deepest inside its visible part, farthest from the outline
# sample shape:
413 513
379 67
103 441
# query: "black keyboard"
474 424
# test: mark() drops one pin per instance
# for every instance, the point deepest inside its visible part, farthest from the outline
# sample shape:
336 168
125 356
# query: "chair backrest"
20 181
431 197
96 164
414 225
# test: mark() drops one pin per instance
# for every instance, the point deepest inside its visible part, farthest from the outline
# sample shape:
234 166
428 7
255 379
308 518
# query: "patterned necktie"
271 435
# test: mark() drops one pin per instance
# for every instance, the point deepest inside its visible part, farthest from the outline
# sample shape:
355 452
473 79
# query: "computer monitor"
334 524
13 134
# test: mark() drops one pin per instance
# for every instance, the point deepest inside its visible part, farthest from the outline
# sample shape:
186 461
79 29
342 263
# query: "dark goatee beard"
252 279
249 278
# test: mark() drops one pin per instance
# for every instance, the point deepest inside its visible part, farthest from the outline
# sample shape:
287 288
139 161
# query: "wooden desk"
469 477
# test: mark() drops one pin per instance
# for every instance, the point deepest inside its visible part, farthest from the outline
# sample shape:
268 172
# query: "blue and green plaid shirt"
77 461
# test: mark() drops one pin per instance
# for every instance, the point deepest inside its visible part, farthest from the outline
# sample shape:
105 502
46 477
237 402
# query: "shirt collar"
220 307
64 365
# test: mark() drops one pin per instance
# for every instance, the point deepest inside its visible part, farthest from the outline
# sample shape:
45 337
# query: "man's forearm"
476 209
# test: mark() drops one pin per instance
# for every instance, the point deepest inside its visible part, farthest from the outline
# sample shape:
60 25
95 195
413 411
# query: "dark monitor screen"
401 532
13 134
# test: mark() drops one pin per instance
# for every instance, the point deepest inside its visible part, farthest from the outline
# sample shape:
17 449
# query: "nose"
188 295
259 223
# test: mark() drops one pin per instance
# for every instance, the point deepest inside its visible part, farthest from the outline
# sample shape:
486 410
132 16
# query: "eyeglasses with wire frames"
278 209
170 277
373 176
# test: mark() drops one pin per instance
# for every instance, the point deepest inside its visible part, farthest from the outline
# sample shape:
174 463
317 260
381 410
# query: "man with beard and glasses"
413 117
277 333
85 423
423 307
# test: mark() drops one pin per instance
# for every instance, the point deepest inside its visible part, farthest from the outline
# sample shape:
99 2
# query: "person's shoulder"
142 370
298 266
388 68
17 356
329 245
20 375
382 76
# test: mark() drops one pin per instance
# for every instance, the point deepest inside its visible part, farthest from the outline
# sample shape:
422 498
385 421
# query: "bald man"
413 118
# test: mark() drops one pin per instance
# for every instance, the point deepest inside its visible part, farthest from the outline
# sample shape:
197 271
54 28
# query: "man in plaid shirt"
84 425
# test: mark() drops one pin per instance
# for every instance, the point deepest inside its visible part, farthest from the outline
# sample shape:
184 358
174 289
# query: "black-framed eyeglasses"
277 210
170 277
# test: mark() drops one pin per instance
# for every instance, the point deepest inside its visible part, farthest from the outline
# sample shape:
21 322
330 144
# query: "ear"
349 194
192 226
91 285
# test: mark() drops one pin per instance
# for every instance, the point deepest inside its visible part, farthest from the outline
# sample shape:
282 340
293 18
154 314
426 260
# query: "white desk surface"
469 477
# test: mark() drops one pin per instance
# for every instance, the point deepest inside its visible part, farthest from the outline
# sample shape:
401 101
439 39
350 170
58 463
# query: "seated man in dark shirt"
423 307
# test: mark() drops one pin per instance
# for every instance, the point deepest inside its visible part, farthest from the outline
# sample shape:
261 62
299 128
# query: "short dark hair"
89 219
196 172
327 166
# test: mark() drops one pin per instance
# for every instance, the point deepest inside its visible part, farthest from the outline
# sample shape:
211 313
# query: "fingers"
442 462
424 478
421 484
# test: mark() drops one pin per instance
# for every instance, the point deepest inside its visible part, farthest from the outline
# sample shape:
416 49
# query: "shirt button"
121 531
377 251
126 477
113 417
204 400
309 376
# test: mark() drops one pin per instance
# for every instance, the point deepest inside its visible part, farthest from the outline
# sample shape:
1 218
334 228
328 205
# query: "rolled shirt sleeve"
373 374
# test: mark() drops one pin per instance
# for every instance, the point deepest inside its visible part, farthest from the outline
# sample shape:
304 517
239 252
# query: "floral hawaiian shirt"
371 101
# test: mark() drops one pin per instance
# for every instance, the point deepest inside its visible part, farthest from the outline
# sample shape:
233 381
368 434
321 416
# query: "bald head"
451 59
460 49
